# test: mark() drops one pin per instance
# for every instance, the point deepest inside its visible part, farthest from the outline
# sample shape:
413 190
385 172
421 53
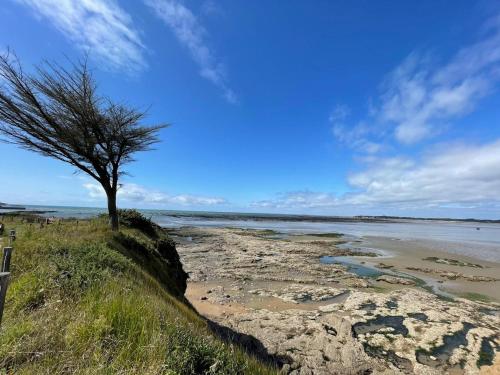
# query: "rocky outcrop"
395 280
451 275
237 255
374 333
322 319
301 293
311 342
452 262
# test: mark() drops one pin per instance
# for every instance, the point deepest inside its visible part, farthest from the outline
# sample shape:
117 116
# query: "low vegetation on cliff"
84 299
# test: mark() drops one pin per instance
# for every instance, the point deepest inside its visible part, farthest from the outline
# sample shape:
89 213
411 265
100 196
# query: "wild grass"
84 300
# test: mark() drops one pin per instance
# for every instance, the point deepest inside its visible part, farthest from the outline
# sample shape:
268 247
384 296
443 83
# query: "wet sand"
411 253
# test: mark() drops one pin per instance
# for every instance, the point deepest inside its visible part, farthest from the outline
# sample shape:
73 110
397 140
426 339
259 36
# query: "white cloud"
192 35
299 200
139 194
100 27
421 98
357 136
339 113
452 176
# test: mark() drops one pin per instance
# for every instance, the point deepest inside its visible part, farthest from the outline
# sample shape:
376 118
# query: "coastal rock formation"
450 275
326 319
395 280
236 254
375 333
452 262
384 266
301 293
309 342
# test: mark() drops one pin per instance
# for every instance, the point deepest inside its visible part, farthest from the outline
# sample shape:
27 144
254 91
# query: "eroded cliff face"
168 252
156 254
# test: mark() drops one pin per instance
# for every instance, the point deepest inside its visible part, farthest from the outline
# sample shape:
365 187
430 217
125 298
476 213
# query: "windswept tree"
57 112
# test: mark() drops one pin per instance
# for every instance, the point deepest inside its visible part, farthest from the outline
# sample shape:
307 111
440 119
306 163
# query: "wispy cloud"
100 27
192 35
339 113
211 8
459 176
421 98
357 136
139 194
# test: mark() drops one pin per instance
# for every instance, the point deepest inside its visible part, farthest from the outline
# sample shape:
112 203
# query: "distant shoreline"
44 210
321 218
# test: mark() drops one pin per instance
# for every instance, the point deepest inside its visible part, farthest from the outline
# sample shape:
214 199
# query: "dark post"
12 236
4 277
7 254
4 281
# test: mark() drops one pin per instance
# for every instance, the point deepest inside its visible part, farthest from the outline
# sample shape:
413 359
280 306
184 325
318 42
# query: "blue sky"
324 107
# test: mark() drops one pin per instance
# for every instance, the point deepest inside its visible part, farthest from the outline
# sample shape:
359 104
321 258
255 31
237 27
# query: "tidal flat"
407 317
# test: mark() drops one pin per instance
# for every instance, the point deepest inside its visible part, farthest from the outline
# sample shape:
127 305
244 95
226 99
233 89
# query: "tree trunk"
112 211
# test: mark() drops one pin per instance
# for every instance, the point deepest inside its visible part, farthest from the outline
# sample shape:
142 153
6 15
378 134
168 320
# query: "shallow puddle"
443 352
490 311
391 304
368 306
419 316
380 322
403 364
356 268
486 353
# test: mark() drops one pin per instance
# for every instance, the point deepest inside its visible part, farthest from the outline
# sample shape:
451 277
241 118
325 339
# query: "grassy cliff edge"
83 299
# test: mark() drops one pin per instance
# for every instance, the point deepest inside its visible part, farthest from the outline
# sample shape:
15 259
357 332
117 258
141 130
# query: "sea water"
463 238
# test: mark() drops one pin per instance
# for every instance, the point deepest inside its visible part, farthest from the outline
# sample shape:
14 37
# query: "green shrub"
134 219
